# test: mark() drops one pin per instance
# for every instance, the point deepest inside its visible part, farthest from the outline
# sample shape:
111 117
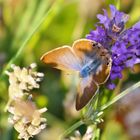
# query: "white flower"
26 78
22 81
26 118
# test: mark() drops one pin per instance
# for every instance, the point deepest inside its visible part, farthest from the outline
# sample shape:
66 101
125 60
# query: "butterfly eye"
95 44
107 63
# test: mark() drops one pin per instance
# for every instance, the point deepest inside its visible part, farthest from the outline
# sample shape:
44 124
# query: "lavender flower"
124 44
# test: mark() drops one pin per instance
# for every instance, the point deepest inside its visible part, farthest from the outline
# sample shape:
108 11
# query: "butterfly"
90 59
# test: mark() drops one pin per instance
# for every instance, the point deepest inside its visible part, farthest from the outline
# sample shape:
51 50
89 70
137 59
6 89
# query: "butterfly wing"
85 48
102 73
62 58
86 90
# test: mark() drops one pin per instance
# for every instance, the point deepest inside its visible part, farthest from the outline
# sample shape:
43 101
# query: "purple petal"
113 10
115 75
101 18
111 86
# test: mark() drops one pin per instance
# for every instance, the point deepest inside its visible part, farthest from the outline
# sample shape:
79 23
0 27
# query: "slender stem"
118 4
90 107
48 16
97 134
99 99
121 95
71 129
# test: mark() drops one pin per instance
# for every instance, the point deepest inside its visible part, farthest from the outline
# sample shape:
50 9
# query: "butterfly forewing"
62 58
86 90
84 48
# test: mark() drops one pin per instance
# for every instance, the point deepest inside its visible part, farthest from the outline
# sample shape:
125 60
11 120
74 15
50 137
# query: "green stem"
118 4
71 129
91 106
121 95
48 16
96 135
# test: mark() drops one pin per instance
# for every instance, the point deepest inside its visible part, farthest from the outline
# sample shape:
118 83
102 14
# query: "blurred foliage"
66 21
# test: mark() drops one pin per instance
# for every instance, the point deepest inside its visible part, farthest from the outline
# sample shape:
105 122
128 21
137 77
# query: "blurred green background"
59 22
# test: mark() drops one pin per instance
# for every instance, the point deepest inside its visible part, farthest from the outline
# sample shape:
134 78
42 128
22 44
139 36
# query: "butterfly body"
90 59
90 68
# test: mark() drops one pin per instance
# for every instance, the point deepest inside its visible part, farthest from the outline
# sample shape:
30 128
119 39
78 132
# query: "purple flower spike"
114 25
124 44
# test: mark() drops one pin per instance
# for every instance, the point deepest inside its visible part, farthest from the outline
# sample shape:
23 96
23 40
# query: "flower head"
23 80
123 44
26 118
114 24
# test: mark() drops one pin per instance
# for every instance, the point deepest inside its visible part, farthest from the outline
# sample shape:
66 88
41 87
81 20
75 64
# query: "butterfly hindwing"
62 58
103 71
86 90
102 74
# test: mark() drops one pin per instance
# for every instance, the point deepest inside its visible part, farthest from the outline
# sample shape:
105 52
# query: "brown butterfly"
90 59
